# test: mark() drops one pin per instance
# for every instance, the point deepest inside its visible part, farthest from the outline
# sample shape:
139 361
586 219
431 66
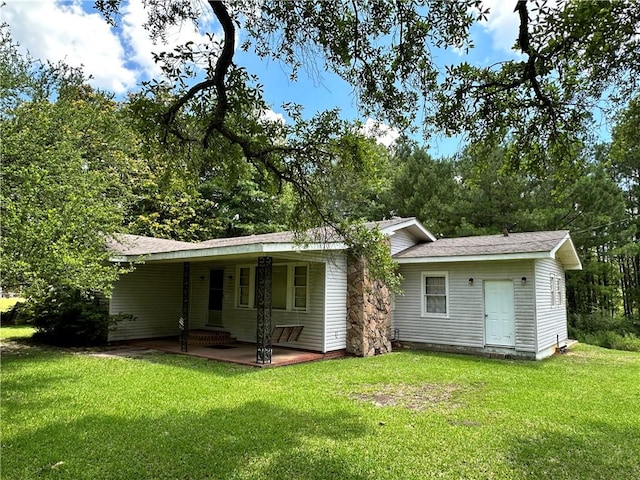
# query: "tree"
625 159
62 190
423 187
572 55
577 58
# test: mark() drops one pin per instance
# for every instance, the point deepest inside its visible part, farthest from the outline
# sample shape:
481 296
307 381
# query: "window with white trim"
555 282
435 294
558 290
244 286
300 278
279 286
289 286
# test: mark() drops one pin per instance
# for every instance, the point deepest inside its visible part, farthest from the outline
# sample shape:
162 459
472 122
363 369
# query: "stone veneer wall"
368 312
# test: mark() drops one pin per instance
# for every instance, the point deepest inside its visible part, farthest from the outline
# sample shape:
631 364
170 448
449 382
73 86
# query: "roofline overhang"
232 250
487 258
412 222
575 263
474 258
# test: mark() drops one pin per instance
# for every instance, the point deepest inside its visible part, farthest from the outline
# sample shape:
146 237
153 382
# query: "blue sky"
119 59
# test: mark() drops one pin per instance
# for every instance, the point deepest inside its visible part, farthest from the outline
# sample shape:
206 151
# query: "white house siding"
552 319
335 303
241 322
401 240
464 326
153 294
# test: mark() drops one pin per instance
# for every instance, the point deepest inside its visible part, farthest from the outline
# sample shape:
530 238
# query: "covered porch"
242 353
293 302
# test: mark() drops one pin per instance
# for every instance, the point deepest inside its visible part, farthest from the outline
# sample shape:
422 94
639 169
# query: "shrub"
16 315
612 340
605 330
69 317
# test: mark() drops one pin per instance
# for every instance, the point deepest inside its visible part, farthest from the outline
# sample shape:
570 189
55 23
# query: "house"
497 295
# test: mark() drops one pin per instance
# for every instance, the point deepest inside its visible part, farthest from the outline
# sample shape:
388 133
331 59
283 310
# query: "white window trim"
292 290
251 289
290 287
555 284
423 305
559 291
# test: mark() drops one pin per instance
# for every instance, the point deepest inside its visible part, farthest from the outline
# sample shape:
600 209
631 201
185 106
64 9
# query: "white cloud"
74 33
53 31
383 134
270 116
142 46
502 24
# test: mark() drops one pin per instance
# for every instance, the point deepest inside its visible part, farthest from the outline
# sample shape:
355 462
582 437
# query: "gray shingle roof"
124 244
529 242
131 245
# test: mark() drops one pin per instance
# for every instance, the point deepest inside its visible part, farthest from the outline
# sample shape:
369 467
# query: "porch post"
184 320
263 304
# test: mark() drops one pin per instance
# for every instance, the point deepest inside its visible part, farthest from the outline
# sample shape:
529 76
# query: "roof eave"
212 252
414 226
474 258
565 252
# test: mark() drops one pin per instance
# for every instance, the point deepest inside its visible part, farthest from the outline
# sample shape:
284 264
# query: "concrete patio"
240 353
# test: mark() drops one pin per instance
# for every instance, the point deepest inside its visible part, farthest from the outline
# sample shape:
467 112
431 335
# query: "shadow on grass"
253 440
17 351
599 451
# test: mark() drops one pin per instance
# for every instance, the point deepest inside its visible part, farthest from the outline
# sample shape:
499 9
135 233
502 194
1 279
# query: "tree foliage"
61 179
625 159
569 58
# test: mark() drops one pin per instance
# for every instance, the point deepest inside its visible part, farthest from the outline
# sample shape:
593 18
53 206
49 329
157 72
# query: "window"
300 287
435 296
279 287
244 282
289 287
558 291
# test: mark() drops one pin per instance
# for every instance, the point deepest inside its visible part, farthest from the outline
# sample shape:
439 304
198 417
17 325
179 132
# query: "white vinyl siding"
551 304
153 294
288 286
464 325
241 322
401 240
335 303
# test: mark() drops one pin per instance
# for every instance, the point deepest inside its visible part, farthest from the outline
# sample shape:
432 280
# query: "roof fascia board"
254 248
576 264
427 235
475 258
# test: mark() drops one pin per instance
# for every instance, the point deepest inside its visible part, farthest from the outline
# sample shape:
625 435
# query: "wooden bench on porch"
210 337
286 333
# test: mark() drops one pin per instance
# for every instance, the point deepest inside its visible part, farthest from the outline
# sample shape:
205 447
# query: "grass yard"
408 414
7 304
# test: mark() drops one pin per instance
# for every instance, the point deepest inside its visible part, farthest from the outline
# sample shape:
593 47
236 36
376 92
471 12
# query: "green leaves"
61 189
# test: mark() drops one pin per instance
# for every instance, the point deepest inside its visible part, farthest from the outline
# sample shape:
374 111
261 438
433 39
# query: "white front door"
499 313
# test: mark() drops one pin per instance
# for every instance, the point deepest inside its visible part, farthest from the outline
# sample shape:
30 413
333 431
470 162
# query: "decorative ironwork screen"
183 323
264 349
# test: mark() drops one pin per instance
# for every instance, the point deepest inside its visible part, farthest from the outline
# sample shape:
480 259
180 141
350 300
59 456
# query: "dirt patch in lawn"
415 397
15 347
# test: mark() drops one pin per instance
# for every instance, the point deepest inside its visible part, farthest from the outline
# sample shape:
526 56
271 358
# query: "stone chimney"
368 312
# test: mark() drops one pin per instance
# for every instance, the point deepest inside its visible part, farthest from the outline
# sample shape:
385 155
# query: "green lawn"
73 415
7 304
